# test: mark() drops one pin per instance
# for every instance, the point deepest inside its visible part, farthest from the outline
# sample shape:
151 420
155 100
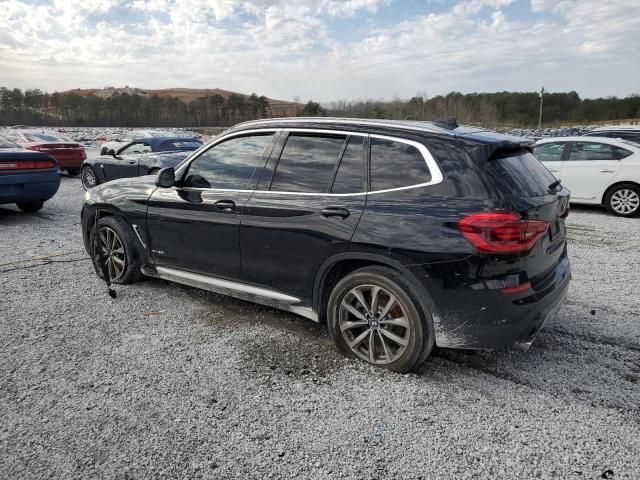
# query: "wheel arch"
340 265
614 185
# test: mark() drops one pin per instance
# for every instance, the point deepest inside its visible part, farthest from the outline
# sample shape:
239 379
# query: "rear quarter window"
519 174
396 164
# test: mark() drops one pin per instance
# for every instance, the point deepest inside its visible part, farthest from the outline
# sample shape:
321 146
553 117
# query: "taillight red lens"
501 232
27 164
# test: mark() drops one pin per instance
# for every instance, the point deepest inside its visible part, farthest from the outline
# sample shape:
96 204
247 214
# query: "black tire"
418 332
131 270
73 172
86 175
623 200
30 206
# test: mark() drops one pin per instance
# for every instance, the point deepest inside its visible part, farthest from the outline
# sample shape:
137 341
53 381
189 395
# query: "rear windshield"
45 137
520 174
5 143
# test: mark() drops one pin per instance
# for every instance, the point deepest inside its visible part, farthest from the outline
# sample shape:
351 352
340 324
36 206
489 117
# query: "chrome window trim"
436 173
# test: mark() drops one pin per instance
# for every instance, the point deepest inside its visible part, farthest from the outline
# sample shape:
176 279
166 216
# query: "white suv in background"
597 170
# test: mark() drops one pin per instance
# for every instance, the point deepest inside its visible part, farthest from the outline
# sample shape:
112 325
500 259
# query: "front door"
194 226
125 163
589 168
305 212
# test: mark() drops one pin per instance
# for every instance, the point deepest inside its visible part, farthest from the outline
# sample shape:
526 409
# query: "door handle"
606 170
228 206
132 162
553 170
335 212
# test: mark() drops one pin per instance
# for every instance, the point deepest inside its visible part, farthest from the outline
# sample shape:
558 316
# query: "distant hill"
277 108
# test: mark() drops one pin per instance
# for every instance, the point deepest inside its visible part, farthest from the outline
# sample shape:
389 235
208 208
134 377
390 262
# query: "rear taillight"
27 164
501 232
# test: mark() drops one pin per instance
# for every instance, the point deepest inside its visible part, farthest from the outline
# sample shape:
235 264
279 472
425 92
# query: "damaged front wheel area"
116 242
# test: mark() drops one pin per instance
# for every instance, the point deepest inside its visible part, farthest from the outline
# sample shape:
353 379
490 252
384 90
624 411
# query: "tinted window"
620 153
520 174
349 174
396 164
591 151
549 152
230 164
307 163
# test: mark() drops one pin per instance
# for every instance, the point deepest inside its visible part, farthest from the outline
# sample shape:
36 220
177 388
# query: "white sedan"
597 170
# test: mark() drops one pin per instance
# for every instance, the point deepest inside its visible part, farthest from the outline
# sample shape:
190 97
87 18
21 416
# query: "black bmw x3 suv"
401 236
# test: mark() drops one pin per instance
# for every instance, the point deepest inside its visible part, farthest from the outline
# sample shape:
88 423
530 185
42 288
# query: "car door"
125 163
194 226
589 167
551 155
305 210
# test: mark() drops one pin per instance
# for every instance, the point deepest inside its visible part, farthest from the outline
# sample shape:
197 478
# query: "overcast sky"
324 49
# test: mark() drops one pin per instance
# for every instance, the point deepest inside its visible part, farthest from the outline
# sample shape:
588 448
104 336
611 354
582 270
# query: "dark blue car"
143 156
27 178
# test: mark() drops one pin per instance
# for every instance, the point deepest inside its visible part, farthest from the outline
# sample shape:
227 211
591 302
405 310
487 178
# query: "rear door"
589 168
305 210
194 226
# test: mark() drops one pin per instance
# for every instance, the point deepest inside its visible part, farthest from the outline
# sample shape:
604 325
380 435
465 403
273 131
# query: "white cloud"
284 48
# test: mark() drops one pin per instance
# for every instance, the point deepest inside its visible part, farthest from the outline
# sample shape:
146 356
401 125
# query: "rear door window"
307 163
520 174
549 152
396 164
230 164
581 151
351 169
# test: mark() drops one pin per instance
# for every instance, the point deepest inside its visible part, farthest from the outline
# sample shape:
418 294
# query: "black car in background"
400 235
142 156
625 132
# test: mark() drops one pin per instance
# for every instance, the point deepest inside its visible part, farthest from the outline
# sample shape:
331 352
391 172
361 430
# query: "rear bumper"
70 162
490 319
22 187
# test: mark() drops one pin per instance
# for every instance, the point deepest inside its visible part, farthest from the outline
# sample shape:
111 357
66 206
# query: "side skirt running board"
239 290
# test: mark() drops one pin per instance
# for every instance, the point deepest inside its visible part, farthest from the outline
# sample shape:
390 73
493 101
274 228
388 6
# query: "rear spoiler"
482 148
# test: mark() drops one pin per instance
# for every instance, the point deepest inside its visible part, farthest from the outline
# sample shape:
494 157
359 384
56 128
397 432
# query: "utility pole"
540 117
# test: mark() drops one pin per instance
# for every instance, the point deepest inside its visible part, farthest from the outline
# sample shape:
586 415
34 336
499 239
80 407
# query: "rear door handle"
228 206
335 212
606 170
553 170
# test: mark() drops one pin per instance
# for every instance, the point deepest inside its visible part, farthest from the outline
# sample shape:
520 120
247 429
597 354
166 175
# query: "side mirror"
112 152
166 178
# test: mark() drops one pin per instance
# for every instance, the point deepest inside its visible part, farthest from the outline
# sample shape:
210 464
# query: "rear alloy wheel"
115 239
88 178
624 200
374 315
30 207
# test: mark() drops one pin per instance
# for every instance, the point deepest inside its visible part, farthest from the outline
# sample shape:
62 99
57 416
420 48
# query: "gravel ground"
171 382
